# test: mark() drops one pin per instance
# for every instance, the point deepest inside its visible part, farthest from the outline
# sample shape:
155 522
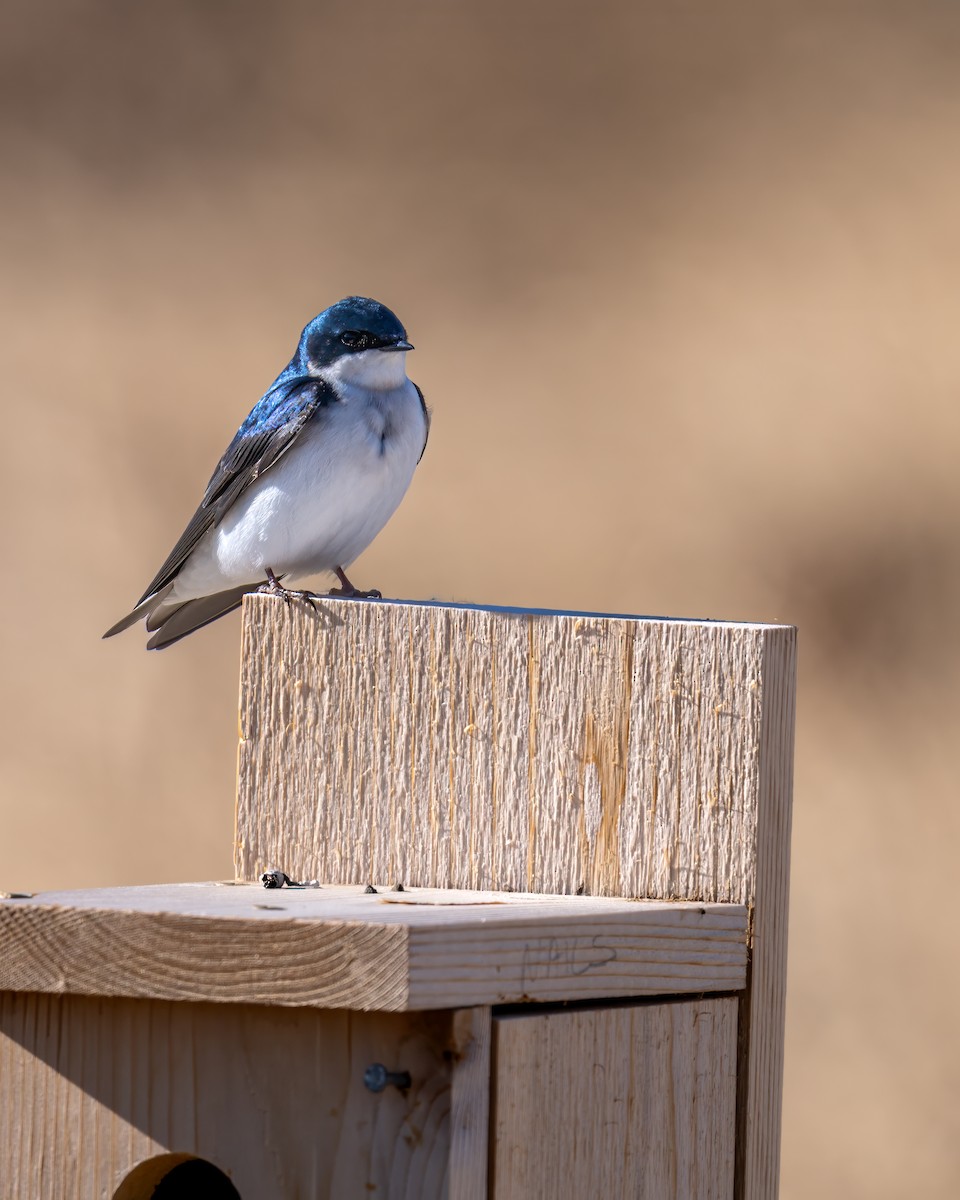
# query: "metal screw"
376 1077
274 878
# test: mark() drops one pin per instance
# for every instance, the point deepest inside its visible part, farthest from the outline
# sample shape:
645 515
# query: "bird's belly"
319 507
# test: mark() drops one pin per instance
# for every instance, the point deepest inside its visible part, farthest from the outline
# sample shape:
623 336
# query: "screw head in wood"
376 1077
274 878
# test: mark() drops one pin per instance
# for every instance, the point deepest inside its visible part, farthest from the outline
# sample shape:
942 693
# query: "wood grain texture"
340 948
470 1108
474 748
273 1097
764 1002
635 1103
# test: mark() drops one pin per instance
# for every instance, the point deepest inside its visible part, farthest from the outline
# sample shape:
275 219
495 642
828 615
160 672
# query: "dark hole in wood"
176 1177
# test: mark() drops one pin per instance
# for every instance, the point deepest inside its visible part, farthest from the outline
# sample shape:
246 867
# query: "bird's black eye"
353 340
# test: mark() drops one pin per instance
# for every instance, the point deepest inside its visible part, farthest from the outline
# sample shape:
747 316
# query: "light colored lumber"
274 1097
762 1012
474 748
635 1103
470 1105
547 752
340 948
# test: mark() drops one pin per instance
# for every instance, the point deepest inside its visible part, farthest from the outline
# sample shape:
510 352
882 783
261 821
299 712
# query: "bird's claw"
355 594
273 587
348 592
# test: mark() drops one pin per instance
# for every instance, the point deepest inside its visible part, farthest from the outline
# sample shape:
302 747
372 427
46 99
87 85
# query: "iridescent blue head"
349 327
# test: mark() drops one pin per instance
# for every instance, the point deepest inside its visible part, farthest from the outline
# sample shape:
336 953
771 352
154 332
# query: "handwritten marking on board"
561 957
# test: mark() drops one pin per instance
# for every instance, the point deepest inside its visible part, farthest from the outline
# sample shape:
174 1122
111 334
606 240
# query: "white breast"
329 495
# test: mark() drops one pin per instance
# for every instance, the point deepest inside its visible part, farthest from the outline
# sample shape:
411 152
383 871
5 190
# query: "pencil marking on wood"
546 958
337 947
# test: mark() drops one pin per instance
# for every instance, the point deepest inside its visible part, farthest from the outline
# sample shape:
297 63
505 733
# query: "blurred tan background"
684 282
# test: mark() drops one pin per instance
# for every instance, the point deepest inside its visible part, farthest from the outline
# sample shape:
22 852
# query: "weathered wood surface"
469 748
274 1097
635 1103
470 1107
547 752
762 1009
339 948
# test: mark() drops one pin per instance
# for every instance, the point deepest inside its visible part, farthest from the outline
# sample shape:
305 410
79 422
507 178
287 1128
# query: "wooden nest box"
547 957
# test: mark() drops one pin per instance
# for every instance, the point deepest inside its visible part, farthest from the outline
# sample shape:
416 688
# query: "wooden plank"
273 1097
763 1004
635 1103
340 948
470 1106
478 748
131 951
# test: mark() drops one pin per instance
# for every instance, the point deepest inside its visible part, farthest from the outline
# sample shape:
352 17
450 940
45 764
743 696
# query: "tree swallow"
311 477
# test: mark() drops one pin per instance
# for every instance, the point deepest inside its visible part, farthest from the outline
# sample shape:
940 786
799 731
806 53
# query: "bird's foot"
273 587
348 592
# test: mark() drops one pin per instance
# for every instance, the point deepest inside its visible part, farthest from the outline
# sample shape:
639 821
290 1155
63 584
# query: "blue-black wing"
268 432
426 420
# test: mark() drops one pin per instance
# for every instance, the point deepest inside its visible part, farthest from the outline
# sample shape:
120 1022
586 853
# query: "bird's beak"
401 345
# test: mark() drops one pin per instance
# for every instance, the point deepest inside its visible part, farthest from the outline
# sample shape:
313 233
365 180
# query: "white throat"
375 370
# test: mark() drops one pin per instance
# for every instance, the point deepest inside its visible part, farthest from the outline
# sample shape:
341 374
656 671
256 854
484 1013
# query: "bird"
310 478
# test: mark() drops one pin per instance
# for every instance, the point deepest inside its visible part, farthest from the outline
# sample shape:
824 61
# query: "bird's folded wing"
426 420
269 431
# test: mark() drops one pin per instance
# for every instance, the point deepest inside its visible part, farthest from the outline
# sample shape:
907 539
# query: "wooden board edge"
588 959
762 1009
182 957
